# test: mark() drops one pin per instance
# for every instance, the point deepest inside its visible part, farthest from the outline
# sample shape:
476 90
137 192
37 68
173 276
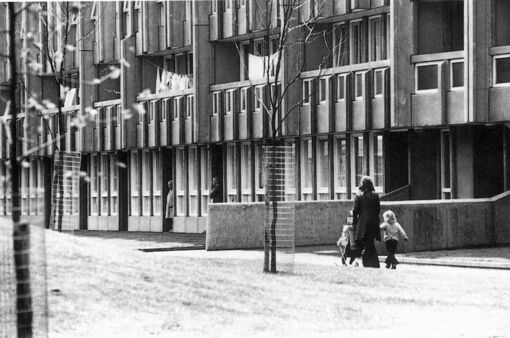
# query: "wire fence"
65 191
279 218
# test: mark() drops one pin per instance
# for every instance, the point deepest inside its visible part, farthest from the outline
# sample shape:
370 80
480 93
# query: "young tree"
287 26
20 230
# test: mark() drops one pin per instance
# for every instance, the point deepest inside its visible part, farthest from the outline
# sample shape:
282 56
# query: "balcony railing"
108 126
169 119
439 82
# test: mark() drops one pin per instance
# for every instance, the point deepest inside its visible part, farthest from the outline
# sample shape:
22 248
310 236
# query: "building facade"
412 93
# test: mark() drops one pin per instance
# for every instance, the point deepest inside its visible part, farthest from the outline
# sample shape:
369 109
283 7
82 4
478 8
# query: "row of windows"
427 74
32 189
361 40
104 185
323 92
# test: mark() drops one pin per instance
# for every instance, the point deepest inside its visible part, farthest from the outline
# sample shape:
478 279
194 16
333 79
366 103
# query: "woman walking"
366 218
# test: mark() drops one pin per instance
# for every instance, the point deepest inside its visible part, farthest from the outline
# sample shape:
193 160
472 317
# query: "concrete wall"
430 225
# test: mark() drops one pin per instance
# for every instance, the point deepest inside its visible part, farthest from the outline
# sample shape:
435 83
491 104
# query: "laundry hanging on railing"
258 66
168 81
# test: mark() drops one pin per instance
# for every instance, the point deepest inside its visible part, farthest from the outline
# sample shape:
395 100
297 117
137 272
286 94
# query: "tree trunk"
20 234
60 162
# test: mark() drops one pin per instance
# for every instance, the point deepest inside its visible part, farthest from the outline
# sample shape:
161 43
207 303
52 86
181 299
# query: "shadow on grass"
144 240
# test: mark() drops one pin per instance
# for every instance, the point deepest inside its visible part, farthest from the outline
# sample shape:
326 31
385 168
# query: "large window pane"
181 182
134 184
457 69
427 77
306 169
341 169
246 172
232 173
378 160
204 179
359 158
323 169
502 70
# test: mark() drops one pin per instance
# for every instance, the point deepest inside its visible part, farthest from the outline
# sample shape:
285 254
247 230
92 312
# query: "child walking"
392 230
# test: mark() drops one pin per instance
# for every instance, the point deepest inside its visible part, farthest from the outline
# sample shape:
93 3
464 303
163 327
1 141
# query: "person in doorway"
366 218
169 212
216 194
392 231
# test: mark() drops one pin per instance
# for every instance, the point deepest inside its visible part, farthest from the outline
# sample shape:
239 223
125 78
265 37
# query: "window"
359 160
446 191
358 85
306 169
164 109
259 97
501 67
376 38
216 102
244 99
104 176
153 111
341 45
457 73
378 82
114 186
24 191
340 168
126 18
94 202
177 107
340 87
245 172
229 102
3 191
214 6
189 106
157 181
307 92
146 183
259 173
245 70
440 26
290 176
426 77
181 182
378 162
33 186
232 173
204 179
322 169
357 42
501 10
134 184
118 116
189 63
40 190
137 17
323 89
193 183
228 5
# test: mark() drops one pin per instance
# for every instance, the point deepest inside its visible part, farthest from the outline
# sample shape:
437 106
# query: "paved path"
192 245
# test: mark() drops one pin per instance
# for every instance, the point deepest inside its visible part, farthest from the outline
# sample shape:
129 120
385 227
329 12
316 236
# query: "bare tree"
284 23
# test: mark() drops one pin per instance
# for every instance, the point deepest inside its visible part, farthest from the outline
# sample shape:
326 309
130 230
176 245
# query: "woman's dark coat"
366 216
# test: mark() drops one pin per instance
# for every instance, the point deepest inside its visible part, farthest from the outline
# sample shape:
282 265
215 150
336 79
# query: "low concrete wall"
430 225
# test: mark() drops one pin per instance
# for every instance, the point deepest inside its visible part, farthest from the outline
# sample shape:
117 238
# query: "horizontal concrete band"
430 225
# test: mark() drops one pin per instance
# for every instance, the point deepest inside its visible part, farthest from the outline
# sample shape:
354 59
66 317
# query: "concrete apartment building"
415 94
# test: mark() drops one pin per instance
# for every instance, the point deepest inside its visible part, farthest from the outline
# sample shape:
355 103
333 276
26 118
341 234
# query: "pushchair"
346 244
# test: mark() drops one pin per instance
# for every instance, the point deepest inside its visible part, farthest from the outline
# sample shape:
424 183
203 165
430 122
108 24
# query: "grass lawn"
104 290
